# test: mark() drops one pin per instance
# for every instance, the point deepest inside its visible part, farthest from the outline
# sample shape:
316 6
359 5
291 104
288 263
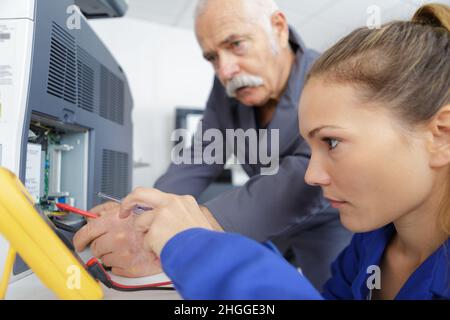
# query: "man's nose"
228 67
316 175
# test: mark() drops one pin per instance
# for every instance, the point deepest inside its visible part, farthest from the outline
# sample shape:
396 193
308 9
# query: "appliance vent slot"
115 173
63 68
111 96
85 64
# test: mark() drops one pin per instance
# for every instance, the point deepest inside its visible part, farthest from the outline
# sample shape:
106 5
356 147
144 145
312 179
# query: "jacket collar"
440 283
439 262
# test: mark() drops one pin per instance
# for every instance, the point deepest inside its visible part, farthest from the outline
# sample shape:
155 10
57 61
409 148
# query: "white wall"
165 69
320 22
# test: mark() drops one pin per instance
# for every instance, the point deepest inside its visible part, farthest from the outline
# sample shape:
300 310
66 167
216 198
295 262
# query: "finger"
143 222
102 245
113 260
104 208
88 233
152 244
138 273
123 273
152 198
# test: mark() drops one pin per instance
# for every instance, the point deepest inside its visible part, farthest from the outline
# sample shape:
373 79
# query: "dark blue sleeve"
206 264
344 271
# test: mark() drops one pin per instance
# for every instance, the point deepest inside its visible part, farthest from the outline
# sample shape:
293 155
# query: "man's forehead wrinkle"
225 19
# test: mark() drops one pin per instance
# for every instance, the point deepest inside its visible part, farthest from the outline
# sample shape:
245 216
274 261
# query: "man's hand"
171 214
116 243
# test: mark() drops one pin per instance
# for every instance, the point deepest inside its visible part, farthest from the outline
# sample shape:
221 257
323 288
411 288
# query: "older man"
260 65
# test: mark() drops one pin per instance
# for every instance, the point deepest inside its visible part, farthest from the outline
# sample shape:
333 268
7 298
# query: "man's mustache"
242 81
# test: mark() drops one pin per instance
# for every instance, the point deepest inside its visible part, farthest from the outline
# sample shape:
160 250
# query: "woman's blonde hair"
404 64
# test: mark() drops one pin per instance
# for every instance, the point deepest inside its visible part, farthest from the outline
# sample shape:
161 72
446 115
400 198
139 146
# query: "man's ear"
439 142
280 28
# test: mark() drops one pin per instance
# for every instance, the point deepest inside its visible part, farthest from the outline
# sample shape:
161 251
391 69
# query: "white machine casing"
65 78
16 44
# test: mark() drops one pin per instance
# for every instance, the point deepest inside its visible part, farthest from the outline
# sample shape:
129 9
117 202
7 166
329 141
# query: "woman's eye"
332 143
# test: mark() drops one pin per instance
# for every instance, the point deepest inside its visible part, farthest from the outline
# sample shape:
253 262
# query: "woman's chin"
352 223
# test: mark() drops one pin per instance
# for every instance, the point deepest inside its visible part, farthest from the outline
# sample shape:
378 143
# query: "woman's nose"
316 175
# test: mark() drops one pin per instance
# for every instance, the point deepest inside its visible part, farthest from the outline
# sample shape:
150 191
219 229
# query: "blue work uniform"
212 265
264 208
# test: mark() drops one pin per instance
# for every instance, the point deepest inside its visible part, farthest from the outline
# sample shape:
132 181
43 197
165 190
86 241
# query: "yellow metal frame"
7 272
39 246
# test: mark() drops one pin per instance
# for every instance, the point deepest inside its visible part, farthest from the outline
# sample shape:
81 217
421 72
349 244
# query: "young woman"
376 113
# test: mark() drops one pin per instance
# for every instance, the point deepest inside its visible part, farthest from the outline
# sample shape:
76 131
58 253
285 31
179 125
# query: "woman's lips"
335 203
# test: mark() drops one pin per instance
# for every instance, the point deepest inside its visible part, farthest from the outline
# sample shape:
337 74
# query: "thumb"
104 208
152 198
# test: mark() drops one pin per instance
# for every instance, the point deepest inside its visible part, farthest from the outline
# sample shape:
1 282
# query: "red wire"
153 285
93 261
80 212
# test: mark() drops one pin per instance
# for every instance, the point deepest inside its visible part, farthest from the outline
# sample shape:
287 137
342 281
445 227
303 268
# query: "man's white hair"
258 11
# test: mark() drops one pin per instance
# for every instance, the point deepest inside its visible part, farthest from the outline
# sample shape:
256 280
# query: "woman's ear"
439 142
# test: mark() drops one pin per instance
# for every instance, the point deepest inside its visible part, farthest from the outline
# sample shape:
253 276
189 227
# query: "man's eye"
332 143
239 46
236 44
210 58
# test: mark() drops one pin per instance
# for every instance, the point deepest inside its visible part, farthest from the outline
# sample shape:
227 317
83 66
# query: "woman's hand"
170 214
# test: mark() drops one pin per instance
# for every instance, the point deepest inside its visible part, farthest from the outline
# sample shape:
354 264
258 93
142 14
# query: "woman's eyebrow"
312 133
